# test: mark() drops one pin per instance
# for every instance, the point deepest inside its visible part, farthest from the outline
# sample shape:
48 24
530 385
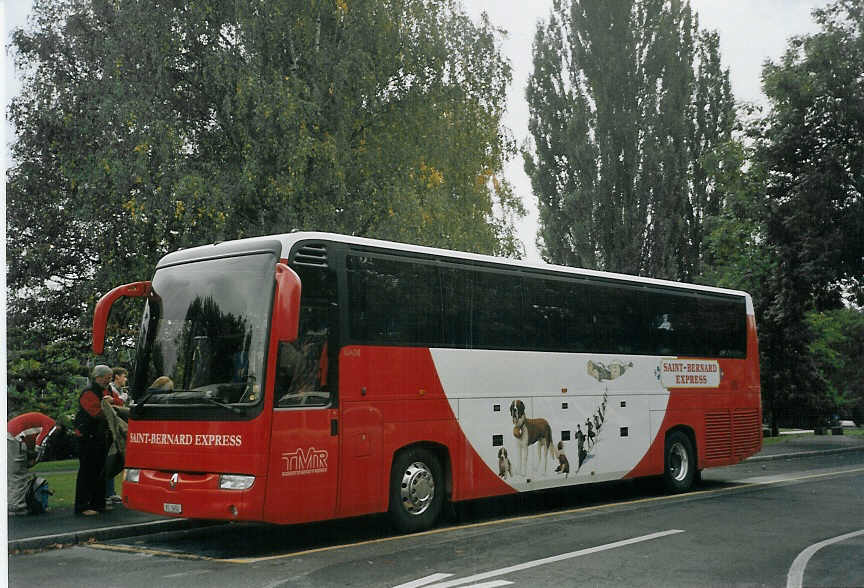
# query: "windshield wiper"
153 392
233 409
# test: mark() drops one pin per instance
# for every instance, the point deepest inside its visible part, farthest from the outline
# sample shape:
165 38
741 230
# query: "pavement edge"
804 453
104 534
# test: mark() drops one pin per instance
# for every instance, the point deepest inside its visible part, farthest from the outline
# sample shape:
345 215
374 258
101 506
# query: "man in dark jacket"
92 430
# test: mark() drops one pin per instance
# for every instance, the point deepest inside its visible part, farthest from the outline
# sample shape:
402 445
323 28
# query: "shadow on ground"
255 540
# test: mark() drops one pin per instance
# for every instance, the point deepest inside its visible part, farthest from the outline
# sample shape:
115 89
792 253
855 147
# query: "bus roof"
286 242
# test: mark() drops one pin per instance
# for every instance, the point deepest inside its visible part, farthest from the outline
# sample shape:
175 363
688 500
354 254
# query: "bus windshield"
204 333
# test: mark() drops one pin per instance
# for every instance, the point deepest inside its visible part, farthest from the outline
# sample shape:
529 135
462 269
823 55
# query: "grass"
857 432
63 485
55 466
61 477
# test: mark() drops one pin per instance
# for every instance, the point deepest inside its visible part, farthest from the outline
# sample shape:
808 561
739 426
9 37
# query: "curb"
804 453
104 534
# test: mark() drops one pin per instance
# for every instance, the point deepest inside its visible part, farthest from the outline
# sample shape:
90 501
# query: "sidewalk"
806 443
62 527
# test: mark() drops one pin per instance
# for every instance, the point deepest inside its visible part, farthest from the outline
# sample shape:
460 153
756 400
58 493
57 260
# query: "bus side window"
301 372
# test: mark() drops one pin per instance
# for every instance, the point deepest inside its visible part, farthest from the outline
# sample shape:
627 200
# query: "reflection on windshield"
205 331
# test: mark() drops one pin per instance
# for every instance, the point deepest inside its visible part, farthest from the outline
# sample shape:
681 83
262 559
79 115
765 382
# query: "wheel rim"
679 462
418 488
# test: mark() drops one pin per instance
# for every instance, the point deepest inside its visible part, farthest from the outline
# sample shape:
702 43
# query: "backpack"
37 495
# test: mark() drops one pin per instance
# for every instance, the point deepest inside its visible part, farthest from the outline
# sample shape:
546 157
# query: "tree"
811 147
836 347
791 230
735 253
148 126
627 101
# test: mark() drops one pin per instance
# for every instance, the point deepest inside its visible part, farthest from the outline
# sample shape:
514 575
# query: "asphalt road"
792 522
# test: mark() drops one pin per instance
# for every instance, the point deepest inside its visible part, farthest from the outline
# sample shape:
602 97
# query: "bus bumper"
193 496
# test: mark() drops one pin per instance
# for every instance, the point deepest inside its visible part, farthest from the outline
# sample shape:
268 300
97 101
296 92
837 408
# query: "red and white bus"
310 376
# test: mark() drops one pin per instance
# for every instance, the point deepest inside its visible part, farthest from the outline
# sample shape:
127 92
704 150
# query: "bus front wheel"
680 463
416 490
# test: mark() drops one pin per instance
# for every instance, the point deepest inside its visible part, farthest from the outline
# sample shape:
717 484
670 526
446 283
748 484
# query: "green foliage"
837 346
735 252
146 126
811 146
41 374
59 402
628 101
792 228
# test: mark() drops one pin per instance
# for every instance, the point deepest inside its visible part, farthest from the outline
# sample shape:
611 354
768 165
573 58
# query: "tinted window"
457 288
727 336
396 301
696 324
558 315
393 301
497 311
619 323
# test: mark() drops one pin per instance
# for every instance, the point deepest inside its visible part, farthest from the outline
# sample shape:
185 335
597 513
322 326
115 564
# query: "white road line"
189 573
492 584
424 581
795 578
793 476
547 560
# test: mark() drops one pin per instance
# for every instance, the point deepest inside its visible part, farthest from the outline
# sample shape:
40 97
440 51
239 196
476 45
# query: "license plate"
172 508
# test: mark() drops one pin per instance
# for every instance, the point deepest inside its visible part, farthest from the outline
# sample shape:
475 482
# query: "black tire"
680 465
416 490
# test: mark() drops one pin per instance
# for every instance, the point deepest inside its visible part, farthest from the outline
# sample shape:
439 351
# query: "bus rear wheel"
416 490
680 463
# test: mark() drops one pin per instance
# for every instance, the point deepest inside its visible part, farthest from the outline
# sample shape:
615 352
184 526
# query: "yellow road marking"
146 551
250 560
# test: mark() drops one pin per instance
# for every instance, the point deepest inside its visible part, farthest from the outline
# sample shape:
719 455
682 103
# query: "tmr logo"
301 463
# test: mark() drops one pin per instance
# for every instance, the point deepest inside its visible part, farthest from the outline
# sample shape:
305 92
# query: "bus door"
304 446
304 450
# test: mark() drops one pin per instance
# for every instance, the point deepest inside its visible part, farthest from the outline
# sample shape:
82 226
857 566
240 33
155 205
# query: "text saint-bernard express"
687 373
186 439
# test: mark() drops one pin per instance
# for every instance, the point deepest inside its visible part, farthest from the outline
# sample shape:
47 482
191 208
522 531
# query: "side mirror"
286 305
103 309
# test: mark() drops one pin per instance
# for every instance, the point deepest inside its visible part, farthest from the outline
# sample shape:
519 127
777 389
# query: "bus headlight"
132 475
235 482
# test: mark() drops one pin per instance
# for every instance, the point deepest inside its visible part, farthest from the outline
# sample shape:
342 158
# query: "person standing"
116 387
118 383
580 442
92 430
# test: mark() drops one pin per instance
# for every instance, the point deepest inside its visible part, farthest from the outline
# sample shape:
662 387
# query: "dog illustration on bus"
528 432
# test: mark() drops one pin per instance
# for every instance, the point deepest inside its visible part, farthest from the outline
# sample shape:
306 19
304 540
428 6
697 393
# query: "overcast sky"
751 31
